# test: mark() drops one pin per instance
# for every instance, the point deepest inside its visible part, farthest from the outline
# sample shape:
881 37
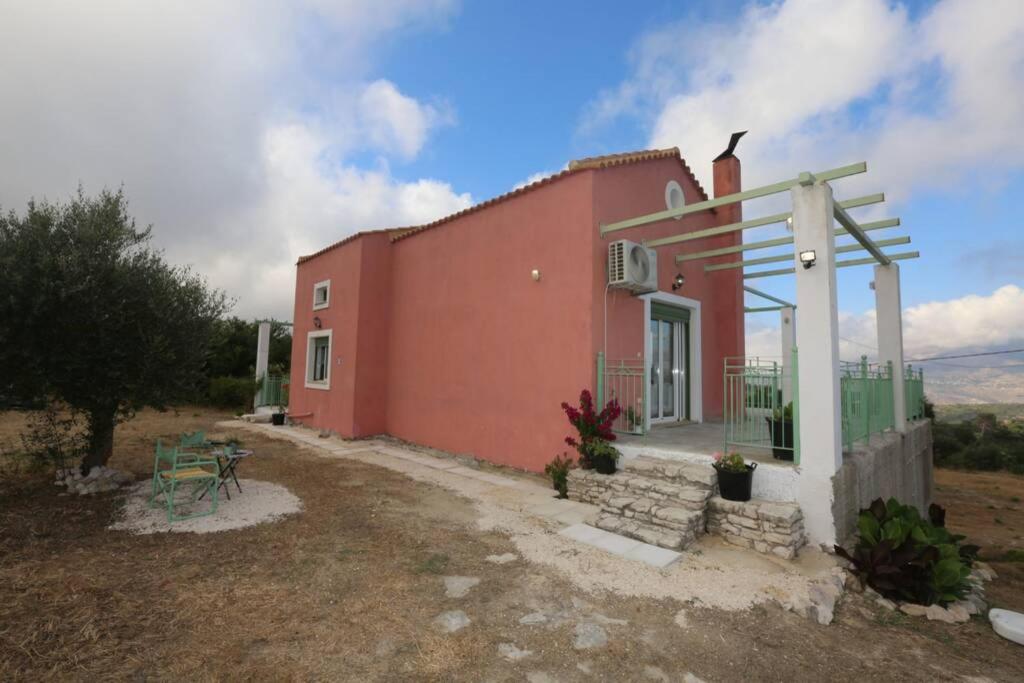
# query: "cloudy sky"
250 133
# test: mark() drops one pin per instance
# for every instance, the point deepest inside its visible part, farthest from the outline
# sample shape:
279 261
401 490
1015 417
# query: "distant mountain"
954 384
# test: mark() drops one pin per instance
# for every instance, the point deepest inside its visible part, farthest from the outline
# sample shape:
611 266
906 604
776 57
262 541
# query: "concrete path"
525 496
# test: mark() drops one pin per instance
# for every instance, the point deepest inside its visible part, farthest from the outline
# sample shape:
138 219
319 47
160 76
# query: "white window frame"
696 397
311 338
325 285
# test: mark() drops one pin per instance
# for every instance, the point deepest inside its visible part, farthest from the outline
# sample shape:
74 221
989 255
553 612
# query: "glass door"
668 380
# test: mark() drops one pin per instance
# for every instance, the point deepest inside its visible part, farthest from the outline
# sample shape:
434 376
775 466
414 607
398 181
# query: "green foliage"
783 412
233 348
558 470
599 450
235 393
93 317
983 442
55 439
905 557
731 462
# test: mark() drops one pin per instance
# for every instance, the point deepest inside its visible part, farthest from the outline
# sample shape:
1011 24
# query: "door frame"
694 399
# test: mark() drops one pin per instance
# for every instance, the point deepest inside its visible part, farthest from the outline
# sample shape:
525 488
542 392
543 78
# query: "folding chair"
194 440
174 469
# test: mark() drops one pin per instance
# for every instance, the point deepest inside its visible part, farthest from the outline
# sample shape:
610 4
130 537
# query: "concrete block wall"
891 465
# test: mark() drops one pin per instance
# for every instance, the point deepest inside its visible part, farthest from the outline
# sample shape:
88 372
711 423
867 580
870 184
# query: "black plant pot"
604 465
782 438
277 419
736 485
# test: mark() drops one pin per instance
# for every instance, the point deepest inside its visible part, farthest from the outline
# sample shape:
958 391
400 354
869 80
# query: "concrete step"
680 473
673 539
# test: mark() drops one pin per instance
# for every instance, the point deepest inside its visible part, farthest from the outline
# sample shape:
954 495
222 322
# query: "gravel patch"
259 502
709 574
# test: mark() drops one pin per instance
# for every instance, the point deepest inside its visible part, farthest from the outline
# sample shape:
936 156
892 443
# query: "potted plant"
604 457
780 425
277 419
594 431
558 470
735 476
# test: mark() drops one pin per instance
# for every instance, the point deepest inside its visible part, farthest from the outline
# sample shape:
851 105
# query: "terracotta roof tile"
575 166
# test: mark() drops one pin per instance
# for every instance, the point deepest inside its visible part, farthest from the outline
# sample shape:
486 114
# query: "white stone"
533 619
1009 625
450 622
913 609
589 635
502 559
459 586
512 653
940 613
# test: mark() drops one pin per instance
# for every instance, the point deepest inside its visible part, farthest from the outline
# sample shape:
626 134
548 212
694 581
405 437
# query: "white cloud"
821 83
968 323
231 125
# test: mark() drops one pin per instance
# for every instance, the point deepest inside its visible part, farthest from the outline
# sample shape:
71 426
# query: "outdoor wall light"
535 274
678 282
317 323
808 258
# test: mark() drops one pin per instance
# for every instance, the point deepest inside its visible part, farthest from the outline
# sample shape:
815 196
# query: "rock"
589 635
681 620
823 597
653 673
533 619
940 613
512 653
690 678
885 603
912 609
450 622
983 571
609 621
502 559
978 602
459 586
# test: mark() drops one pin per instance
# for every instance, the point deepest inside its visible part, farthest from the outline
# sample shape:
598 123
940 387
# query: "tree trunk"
101 440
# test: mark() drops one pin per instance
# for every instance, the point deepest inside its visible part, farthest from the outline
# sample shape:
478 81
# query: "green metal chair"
193 440
174 469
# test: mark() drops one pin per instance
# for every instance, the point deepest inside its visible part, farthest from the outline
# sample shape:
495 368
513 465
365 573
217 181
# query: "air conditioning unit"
632 266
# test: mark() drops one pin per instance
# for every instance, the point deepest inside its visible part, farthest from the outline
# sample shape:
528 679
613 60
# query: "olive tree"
91 316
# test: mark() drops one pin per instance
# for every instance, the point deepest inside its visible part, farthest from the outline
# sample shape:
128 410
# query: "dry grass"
347 590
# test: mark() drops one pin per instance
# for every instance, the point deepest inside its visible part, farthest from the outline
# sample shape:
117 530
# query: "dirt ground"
349 588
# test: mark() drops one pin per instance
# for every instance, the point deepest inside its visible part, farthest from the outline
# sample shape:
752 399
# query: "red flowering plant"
594 429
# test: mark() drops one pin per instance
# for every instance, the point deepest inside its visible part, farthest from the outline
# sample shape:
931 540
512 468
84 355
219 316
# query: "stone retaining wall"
767 527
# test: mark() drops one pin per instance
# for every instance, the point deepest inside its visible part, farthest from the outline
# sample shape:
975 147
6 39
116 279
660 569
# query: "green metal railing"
622 380
755 411
867 400
913 393
271 391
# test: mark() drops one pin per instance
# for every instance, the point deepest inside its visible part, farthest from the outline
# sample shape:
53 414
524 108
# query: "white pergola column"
889 316
262 351
817 341
787 325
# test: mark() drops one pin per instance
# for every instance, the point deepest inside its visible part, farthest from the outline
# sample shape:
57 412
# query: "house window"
318 360
674 198
321 295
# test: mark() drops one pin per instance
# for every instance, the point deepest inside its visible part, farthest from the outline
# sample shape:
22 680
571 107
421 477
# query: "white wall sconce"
808 258
535 274
678 282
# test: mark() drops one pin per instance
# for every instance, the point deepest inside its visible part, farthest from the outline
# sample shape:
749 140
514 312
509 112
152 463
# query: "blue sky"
252 133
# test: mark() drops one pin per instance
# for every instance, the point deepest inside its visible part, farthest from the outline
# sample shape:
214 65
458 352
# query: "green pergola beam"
763 309
840 264
769 297
780 241
754 193
858 234
755 222
786 257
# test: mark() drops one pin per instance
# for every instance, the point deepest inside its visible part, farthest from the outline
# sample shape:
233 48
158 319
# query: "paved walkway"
519 494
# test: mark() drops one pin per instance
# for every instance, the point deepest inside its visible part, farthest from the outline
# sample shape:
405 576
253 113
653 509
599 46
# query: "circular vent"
640 264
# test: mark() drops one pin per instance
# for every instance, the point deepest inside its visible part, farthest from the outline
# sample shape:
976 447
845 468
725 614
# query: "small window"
674 198
318 360
321 295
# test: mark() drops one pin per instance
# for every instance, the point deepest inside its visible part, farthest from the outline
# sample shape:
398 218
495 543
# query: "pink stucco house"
467 333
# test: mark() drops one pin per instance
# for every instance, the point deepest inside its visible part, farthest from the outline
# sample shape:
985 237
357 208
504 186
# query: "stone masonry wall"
767 527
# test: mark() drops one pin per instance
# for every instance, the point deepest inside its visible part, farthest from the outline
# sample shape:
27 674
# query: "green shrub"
983 456
558 470
905 557
236 393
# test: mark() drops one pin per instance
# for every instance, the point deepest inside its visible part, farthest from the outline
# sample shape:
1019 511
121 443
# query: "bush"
55 439
236 393
983 456
558 470
905 557
594 430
